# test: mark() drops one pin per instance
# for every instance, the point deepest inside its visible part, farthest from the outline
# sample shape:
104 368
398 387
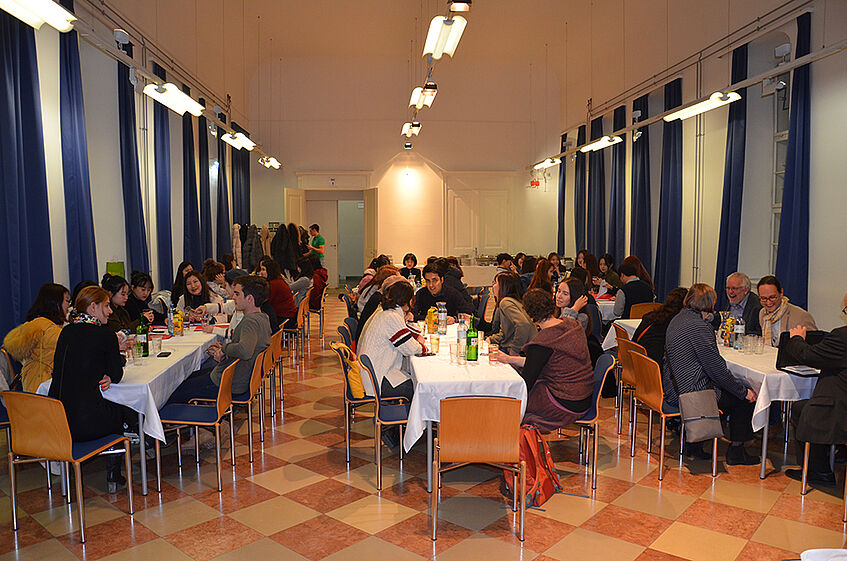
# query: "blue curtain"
192 244
579 192
136 234
733 179
25 261
640 233
240 182
205 188
82 251
792 257
162 156
668 246
596 193
617 195
223 231
560 230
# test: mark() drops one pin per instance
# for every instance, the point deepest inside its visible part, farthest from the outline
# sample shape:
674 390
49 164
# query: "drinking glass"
493 349
760 345
434 342
155 344
454 349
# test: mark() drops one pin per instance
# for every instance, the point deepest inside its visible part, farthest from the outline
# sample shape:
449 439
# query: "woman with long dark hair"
608 273
33 343
281 297
511 327
119 319
196 294
640 270
572 301
542 277
179 281
650 333
140 287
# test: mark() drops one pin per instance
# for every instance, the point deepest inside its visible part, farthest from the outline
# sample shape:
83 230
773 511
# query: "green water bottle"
473 351
142 332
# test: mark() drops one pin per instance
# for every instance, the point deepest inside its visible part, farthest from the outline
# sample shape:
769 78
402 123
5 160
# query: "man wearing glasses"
742 303
777 315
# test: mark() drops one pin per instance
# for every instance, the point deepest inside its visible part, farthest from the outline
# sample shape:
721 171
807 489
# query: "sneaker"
738 456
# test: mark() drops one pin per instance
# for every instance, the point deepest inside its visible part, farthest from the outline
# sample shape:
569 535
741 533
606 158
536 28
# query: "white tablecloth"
147 386
760 373
607 310
436 378
610 341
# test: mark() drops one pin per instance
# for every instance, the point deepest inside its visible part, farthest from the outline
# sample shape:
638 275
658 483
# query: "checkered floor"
300 500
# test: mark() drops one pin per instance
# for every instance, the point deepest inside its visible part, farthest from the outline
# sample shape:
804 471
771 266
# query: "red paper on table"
606 297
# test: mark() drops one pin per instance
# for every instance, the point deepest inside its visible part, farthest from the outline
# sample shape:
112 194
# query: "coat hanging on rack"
265 236
236 244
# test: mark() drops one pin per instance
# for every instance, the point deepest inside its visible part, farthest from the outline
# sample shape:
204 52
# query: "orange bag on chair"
542 481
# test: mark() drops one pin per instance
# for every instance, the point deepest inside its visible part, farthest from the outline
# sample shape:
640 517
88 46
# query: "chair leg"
261 415
272 383
13 488
650 431
158 447
594 458
523 496
66 472
581 443
844 518
400 427
805 468
347 427
662 450
377 454
515 491
786 416
79 501
715 457
197 445
250 432
634 425
232 432
128 466
178 447
49 472
218 454
681 440
433 500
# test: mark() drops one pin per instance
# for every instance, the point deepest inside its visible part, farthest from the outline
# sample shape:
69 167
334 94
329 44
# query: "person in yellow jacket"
34 342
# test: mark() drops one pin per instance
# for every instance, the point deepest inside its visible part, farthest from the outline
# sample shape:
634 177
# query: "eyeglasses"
844 310
770 298
734 288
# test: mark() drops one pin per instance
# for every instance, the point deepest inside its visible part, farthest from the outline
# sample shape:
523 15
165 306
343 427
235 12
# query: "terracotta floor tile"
212 538
326 495
775 481
332 463
655 555
722 518
29 532
413 494
760 552
108 538
415 535
540 533
141 502
37 500
625 524
810 511
608 488
319 537
261 463
680 481
234 497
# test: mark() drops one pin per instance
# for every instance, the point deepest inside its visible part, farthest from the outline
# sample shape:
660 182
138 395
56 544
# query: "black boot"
114 479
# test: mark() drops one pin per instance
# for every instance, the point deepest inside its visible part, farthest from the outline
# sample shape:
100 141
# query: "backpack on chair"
542 481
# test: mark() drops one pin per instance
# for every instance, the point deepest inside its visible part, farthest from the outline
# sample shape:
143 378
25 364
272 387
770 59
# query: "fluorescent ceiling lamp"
600 144
443 36
38 12
411 129
408 146
232 140
170 95
269 162
423 97
715 100
460 5
239 140
548 163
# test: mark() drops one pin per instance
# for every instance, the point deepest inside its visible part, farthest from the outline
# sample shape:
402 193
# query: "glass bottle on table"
142 332
442 318
473 349
740 331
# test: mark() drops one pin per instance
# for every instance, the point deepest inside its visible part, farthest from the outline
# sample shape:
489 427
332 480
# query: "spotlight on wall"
36 13
460 5
443 36
411 129
636 135
407 146
121 36
717 99
169 95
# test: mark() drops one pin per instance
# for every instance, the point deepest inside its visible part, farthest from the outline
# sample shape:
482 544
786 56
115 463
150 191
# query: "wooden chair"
384 414
479 430
39 431
14 375
274 372
189 415
638 311
589 421
260 366
346 336
345 355
298 335
352 326
803 486
321 312
649 392
626 377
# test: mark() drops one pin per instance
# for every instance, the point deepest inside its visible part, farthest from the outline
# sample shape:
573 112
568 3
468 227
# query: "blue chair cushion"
182 413
83 449
394 413
246 396
669 409
4 415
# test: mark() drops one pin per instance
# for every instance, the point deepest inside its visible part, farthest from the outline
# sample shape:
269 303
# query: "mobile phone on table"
163 354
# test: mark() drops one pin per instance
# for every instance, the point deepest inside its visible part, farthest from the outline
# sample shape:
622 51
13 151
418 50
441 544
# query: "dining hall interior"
295 216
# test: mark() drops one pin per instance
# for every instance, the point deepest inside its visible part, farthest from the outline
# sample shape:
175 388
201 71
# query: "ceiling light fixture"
269 162
717 99
38 12
460 5
548 163
239 140
600 144
408 146
169 95
411 129
423 97
443 36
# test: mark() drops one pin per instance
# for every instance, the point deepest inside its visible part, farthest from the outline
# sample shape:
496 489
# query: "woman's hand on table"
751 396
105 383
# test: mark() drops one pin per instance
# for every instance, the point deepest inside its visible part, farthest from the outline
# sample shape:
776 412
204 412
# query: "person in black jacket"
821 419
453 278
437 291
650 333
743 303
635 290
140 287
87 361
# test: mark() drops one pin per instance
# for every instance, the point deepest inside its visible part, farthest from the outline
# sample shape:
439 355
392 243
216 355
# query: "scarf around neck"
82 317
773 318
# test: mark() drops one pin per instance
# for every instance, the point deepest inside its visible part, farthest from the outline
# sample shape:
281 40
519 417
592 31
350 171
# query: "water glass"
759 345
493 349
454 350
155 344
434 342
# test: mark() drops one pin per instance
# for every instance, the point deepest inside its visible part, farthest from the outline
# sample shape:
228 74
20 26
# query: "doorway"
325 215
351 240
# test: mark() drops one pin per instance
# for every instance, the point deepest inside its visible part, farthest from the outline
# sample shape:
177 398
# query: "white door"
295 201
325 215
462 222
495 222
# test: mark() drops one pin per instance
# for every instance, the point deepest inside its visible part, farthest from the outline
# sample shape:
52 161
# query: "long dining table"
149 382
437 377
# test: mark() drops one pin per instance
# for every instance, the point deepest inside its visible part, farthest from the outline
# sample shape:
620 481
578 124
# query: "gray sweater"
250 337
511 327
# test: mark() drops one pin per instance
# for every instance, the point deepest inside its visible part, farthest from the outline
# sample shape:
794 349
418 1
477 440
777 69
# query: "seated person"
320 276
281 297
34 342
410 268
376 298
592 309
650 333
543 277
372 288
556 366
743 304
527 271
453 278
693 360
119 318
249 338
511 327
634 291
572 299
196 295
375 264
437 291
557 270
178 287
213 273
301 284
518 261
228 307
140 287
505 263
777 315
821 419
612 280
228 261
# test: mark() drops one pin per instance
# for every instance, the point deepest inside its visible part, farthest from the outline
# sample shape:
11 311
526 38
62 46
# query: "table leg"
429 456
765 444
142 454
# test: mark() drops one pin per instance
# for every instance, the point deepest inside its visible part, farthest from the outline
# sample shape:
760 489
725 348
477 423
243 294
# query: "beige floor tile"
286 479
584 544
570 509
470 511
364 477
193 480
311 409
306 427
321 382
466 477
833 496
6 509
480 547
317 393
372 514
274 515
64 519
373 548
655 501
28 479
296 450
751 497
156 549
698 544
176 515
50 550
626 468
365 427
262 549
795 536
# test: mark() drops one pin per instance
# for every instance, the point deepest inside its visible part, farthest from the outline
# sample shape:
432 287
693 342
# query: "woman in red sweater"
281 297
319 279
